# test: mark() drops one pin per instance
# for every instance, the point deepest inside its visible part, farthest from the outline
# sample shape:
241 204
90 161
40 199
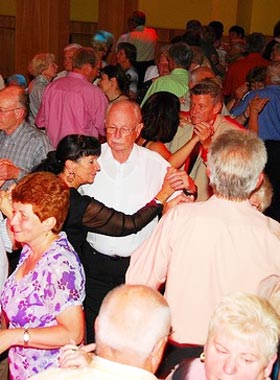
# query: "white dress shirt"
126 187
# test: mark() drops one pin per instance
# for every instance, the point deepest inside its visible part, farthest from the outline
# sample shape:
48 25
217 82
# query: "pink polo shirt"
72 105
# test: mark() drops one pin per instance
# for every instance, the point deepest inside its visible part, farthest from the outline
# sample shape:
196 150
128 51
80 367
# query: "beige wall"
253 15
84 10
163 14
8 7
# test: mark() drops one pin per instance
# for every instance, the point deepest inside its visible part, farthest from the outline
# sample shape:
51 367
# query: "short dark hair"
160 114
218 28
256 74
115 71
181 54
255 42
238 30
276 30
84 56
193 25
129 49
138 18
208 87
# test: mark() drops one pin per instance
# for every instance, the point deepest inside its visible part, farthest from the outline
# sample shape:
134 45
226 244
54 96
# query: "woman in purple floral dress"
42 299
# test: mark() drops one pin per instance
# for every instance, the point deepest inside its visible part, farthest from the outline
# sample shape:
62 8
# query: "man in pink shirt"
73 105
205 250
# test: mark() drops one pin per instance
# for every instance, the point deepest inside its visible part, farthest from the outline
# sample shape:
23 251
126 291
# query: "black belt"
112 257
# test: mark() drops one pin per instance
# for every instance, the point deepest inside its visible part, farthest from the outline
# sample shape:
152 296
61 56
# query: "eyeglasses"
124 131
3 110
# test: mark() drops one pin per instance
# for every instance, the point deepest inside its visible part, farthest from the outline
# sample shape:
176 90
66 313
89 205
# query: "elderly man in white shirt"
130 177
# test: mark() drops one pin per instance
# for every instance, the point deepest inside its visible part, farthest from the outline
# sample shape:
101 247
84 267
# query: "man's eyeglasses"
3 110
124 131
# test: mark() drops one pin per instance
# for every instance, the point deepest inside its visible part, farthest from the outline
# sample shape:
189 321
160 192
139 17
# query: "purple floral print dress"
56 282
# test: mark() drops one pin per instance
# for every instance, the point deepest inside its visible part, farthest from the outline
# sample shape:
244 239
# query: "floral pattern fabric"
55 283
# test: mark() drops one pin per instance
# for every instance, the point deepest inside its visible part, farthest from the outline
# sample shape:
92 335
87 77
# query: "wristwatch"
26 337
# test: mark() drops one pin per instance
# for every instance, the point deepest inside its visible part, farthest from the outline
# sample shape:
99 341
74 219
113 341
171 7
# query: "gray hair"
40 62
273 72
236 159
73 46
133 318
248 316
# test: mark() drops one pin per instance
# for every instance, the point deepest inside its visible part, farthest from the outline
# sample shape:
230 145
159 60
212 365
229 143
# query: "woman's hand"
204 131
73 356
5 203
181 198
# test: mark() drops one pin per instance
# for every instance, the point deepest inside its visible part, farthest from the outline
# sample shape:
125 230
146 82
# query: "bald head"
13 106
131 321
123 126
126 106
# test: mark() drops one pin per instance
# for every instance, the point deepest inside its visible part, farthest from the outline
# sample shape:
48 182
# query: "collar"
72 74
124 370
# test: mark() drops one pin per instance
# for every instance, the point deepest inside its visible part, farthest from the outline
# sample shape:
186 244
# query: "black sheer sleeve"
107 221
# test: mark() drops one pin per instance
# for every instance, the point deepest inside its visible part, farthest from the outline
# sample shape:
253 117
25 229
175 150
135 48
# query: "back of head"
132 320
255 42
138 18
199 74
160 117
129 49
103 37
193 26
181 55
248 316
273 73
17 79
235 160
82 57
73 46
47 193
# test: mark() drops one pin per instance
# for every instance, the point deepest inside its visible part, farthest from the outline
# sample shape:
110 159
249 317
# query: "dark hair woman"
75 161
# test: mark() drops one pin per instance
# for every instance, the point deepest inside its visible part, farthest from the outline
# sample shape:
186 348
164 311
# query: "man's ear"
157 354
260 181
217 108
139 129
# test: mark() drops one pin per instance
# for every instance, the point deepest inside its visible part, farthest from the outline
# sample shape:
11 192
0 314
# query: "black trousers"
103 273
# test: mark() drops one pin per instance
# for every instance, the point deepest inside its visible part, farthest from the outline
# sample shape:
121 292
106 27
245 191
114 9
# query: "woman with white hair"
44 69
242 342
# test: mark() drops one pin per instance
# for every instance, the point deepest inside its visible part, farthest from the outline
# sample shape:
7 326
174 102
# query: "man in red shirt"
237 71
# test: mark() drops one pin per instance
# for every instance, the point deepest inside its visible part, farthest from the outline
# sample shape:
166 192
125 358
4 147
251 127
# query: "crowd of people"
140 208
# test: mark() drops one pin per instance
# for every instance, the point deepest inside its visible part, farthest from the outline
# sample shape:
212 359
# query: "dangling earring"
202 357
71 177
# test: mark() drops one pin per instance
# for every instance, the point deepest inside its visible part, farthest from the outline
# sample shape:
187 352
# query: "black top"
86 214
